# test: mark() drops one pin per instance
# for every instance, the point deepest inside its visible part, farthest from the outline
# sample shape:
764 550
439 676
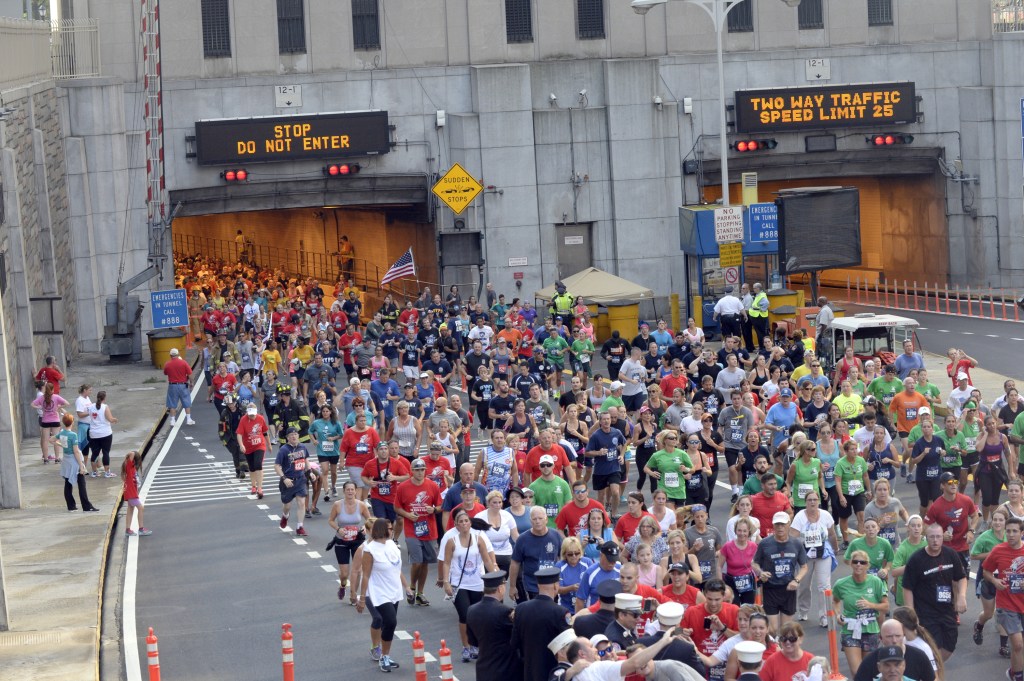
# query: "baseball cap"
677 567
962 376
174 352
610 549
424 374
547 458
923 410
598 639
780 517
785 392
617 385
970 405
889 653
251 410
417 464
947 476
291 430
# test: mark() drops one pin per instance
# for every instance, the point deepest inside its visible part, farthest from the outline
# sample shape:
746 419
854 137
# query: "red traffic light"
235 175
341 169
888 139
744 146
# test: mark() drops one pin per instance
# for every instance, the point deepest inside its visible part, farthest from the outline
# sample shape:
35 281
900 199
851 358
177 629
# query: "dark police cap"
494 579
547 575
608 589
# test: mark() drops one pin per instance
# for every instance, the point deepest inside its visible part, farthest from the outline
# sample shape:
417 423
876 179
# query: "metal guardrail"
1007 16
74 48
36 51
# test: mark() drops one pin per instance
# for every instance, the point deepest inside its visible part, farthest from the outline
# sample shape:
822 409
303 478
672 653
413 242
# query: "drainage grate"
32 638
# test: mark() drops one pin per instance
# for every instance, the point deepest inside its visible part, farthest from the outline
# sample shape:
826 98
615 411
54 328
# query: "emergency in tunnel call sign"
814 108
265 139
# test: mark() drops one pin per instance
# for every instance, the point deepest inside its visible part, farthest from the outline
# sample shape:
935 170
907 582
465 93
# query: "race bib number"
584 358
931 472
1016 583
889 533
349 532
813 539
911 413
496 470
299 464
943 594
272 401
224 391
551 510
404 444
421 529
363 448
671 479
327 446
612 455
744 583
705 568
783 568
883 474
545 564
384 489
803 489
694 482
830 474
970 443
856 486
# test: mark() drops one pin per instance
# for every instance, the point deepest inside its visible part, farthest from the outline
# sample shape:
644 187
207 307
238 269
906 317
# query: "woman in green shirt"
852 483
971 428
956 446
862 598
878 550
671 466
914 542
983 545
805 475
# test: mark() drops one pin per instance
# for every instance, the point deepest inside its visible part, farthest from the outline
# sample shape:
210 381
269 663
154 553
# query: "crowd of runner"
486 436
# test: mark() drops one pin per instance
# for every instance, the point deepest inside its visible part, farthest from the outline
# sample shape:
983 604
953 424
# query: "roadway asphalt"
219 577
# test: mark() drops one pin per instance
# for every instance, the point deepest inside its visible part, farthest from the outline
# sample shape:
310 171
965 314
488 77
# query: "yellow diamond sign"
457 188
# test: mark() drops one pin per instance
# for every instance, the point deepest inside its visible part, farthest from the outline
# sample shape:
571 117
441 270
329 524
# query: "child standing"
130 476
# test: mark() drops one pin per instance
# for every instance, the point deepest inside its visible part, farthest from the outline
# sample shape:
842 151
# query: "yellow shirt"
849 407
305 355
271 360
798 373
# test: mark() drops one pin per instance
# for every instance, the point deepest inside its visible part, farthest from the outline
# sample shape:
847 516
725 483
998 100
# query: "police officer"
561 304
729 312
757 316
589 625
622 632
750 655
536 623
490 629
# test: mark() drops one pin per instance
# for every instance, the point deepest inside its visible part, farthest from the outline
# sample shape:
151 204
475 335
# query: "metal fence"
1007 16
75 48
24 52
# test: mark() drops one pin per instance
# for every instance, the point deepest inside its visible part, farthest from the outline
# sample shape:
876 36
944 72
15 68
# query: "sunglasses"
788 639
858 562
581 491
693 442
547 465
574 553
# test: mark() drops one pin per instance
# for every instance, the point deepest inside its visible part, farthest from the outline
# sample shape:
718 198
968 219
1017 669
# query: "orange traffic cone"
153 656
445 657
419 658
287 653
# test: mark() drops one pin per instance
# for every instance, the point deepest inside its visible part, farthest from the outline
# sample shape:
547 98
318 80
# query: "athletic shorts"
854 504
970 460
328 459
730 456
345 550
136 502
867 642
421 551
1012 622
382 509
177 393
355 474
290 493
48 424
946 635
927 490
603 481
778 599
984 589
255 460
634 402
904 434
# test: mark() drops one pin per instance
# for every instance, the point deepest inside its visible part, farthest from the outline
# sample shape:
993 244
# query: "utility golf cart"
873 336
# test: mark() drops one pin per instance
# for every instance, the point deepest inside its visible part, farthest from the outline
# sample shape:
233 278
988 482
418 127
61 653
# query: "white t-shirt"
467 567
636 371
601 671
450 534
82 404
500 539
385 585
730 528
816 533
920 644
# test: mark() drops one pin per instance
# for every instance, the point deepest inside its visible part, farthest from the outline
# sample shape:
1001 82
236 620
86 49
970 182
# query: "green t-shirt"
985 543
611 401
805 480
954 446
971 431
852 472
884 390
753 484
1018 426
555 347
903 554
872 589
583 348
668 463
859 388
878 555
929 390
67 440
552 495
914 435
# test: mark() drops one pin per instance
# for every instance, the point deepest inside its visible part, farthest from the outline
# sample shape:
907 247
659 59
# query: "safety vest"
563 304
754 310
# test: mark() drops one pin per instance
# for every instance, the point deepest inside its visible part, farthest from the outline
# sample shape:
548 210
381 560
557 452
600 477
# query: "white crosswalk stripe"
192 483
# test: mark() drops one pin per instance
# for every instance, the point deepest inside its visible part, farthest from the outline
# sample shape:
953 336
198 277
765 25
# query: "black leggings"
712 479
643 455
991 484
102 445
385 618
82 494
465 598
927 490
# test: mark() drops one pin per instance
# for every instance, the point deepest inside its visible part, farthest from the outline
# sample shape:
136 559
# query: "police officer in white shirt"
730 313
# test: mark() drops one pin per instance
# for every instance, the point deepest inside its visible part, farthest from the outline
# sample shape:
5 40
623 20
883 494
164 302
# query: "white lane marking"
922 328
273 517
188 437
991 335
313 554
943 330
402 635
130 641
429 658
299 540
208 456
190 501
332 569
194 444
967 333
1017 339
203 451
262 507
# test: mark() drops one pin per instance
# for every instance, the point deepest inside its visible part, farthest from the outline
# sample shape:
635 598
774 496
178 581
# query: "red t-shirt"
54 377
953 514
686 599
477 508
409 317
533 460
766 507
670 383
964 366
693 619
778 667
626 527
339 320
436 470
1008 564
572 519
177 370
345 341
359 447
131 484
526 346
253 432
222 385
382 490
418 500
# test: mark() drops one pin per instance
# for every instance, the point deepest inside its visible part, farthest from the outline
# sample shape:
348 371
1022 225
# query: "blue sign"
764 222
170 308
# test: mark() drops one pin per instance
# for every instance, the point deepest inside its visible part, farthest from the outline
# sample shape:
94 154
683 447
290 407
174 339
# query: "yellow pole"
674 302
698 311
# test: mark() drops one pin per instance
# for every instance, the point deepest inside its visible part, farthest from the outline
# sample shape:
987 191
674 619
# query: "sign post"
169 308
457 189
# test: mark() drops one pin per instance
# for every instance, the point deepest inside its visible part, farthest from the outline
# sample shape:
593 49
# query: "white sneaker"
189 421
173 421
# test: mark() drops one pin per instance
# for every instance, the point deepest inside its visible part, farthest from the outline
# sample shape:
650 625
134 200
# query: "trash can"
624 318
160 343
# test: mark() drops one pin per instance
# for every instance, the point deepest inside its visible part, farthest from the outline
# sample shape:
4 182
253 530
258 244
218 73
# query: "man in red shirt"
383 475
179 382
347 342
252 440
572 519
51 374
548 447
1004 569
677 379
956 514
768 503
416 501
469 502
722 616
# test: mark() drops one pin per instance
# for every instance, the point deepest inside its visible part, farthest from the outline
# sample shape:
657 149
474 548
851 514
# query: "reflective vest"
755 310
563 304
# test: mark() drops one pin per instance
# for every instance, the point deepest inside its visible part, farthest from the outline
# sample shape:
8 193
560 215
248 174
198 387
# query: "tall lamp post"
717 10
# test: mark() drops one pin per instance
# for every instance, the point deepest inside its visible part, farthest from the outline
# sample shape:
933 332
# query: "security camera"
583 92
657 101
644 6
553 97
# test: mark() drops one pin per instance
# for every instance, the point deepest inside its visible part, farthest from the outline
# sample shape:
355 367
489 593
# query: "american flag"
403 267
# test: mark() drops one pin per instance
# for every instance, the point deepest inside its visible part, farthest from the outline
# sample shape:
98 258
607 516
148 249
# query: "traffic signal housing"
235 175
889 139
341 169
749 145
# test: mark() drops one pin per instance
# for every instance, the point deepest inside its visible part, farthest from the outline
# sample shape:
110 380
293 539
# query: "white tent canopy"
598 286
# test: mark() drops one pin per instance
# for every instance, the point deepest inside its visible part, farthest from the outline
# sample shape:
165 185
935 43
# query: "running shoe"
301 531
252 489
129 533
979 633
284 522
1004 651
143 532
341 597
375 654
466 656
383 664
421 600
410 598
259 492
92 509
309 514
903 470
109 474
327 497
912 477
474 652
189 421
334 490
734 498
93 474
173 421
823 622
316 511
392 663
